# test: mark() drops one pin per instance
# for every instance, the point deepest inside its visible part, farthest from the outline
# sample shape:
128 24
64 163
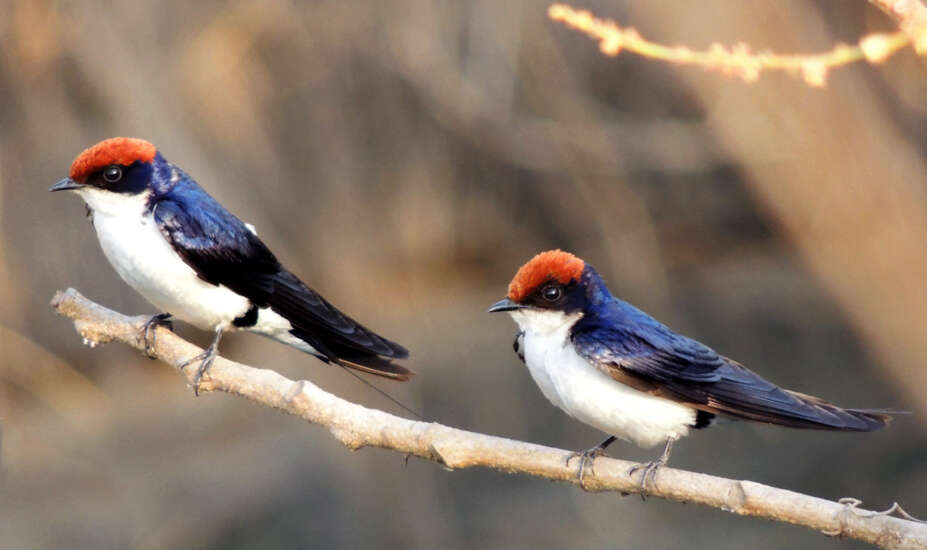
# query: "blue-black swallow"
193 259
613 367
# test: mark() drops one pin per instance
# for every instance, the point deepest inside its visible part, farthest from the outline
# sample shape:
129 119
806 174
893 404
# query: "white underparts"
142 256
588 394
274 326
133 244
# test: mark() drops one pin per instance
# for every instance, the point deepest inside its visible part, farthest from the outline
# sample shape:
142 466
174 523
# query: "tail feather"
330 334
307 311
741 393
378 366
348 356
833 417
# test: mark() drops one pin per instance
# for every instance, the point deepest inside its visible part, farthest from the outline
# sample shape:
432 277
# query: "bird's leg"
588 457
206 358
149 334
650 469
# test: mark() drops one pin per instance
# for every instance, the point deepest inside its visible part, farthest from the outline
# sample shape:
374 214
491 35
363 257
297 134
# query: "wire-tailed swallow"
613 367
190 257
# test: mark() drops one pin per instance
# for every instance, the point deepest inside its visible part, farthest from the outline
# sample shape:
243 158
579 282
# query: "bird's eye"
552 293
112 174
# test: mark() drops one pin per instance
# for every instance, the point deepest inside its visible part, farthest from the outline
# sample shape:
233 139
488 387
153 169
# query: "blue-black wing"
637 350
223 251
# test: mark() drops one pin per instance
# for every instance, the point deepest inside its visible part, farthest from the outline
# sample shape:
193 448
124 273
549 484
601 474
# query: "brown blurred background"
405 158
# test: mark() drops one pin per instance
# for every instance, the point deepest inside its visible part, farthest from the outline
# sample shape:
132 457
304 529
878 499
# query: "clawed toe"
150 335
650 468
588 457
197 357
204 366
205 359
650 472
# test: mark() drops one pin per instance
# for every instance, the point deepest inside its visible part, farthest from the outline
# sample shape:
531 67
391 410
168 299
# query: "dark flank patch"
519 345
249 319
703 419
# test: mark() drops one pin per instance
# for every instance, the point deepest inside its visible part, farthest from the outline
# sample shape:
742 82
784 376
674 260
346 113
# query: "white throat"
554 325
108 203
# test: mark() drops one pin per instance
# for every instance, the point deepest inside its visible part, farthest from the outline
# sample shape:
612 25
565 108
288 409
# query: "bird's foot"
586 460
650 468
205 359
148 333
650 472
588 457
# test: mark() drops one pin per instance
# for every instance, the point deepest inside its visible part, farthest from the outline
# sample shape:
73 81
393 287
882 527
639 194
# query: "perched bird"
191 258
613 367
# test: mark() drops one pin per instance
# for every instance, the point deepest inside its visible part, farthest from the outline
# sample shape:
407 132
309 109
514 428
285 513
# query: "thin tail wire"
382 392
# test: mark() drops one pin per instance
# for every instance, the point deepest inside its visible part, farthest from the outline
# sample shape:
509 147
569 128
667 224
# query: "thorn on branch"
896 509
851 507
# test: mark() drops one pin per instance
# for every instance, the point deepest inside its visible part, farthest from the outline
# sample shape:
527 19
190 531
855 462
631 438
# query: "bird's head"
113 172
548 291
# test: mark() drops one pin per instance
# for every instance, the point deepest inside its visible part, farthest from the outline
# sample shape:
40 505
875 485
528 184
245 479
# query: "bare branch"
911 16
358 427
739 60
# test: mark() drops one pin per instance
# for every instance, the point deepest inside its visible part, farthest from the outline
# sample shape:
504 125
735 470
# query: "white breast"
590 395
134 245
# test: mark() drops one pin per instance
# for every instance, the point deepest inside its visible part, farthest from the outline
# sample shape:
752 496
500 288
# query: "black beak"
67 184
505 305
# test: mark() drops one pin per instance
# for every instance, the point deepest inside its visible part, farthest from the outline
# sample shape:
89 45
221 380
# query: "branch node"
434 449
92 334
736 498
295 389
349 438
207 384
432 440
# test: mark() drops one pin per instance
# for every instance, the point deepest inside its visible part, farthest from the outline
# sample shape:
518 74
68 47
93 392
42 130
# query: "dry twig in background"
739 60
358 427
911 16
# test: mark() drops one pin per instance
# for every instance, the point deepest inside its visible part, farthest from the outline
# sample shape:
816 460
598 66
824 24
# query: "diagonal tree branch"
358 427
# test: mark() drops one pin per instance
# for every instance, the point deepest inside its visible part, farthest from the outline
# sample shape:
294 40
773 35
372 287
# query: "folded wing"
672 366
223 251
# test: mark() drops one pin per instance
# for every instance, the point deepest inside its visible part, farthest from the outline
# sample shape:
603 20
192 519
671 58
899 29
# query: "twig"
895 508
358 427
911 16
738 60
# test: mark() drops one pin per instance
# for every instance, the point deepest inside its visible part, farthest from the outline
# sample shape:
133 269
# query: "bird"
173 243
613 367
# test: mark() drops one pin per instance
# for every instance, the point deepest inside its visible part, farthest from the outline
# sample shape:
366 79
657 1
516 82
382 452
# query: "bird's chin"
114 204
540 321
518 315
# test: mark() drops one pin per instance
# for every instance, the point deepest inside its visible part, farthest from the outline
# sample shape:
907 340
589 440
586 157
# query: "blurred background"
405 158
